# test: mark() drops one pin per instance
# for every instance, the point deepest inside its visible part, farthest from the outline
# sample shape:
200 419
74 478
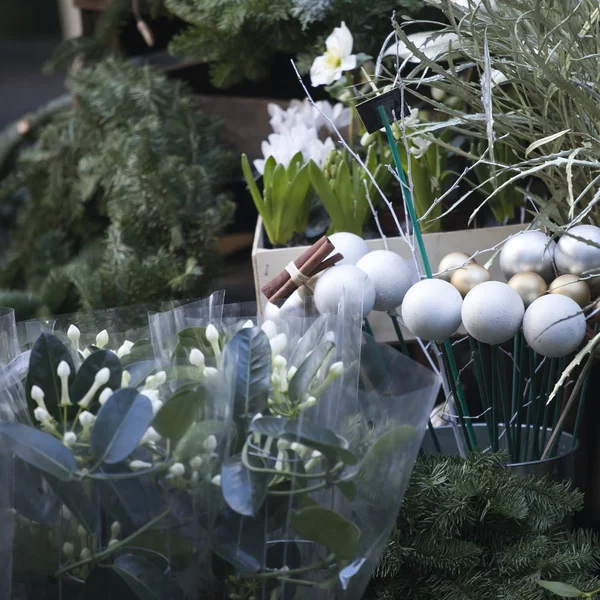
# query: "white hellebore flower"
432 44
125 349
102 339
338 57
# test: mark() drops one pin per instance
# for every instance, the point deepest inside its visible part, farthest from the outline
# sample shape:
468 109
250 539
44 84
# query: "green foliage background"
470 530
115 200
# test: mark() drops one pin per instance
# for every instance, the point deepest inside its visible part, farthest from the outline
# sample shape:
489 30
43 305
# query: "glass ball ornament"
575 255
528 285
492 312
469 276
528 251
451 262
431 309
573 287
391 276
554 325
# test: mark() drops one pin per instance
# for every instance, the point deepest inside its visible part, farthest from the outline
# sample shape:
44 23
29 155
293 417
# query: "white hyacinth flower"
338 57
102 339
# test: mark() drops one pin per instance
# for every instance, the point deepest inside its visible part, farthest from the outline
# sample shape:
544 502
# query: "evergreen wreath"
471 530
112 199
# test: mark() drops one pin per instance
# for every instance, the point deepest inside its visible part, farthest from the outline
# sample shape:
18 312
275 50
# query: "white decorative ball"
348 281
431 309
531 251
351 246
391 275
492 312
577 257
554 325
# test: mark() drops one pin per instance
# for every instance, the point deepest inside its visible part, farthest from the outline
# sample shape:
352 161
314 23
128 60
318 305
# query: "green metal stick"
480 379
494 387
447 347
539 409
515 378
498 360
520 381
403 346
582 399
529 418
557 401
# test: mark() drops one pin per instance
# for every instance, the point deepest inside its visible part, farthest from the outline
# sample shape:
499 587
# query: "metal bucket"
558 468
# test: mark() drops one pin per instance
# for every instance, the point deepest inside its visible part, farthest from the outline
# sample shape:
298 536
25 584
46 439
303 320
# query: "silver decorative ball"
531 251
575 256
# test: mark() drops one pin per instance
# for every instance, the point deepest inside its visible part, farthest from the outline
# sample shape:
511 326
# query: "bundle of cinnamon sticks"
309 263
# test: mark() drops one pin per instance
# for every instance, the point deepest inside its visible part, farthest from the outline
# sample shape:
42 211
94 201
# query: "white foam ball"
351 246
492 312
431 309
554 325
346 280
390 274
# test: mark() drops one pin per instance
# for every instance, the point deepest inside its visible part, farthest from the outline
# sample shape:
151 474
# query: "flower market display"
439 177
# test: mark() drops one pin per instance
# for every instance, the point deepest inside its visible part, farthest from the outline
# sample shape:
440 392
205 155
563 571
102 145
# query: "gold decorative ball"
594 284
528 285
467 277
451 262
573 287
596 307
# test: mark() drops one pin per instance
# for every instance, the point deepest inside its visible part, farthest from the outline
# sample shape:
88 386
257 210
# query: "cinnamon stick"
282 278
308 269
328 262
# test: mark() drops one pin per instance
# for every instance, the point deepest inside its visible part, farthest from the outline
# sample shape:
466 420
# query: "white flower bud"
336 370
248 324
196 463
81 532
211 375
112 543
291 372
278 343
87 352
275 380
139 465
102 339
160 378
270 329
216 480
177 469
271 311
105 395
125 379
212 335
150 436
68 548
156 405
102 376
316 454
329 337
41 414
196 358
86 419
256 416
367 139
63 369
308 403
283 445
125 349
437 94
85 554
74 334
210 443
38 395
195 477
115 529
279 362
69 439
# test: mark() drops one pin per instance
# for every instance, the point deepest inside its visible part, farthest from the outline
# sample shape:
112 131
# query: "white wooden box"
267 263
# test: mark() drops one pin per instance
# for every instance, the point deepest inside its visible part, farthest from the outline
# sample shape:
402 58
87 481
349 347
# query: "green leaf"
139 371
141 351
302 379
46 354
40 450
362 58
191 444
178 413
243 490
120 425
254 192
145 580
104 584
248 358
328 528
193 337
270 165
348 488
305 432
562 589
325 193
74 495
88 370
239 540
